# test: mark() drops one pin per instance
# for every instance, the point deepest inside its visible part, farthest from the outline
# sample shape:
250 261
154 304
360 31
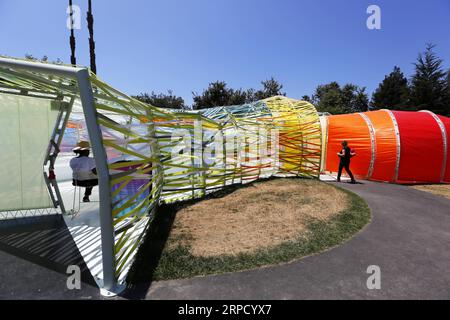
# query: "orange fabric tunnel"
354 129
385 146
391 146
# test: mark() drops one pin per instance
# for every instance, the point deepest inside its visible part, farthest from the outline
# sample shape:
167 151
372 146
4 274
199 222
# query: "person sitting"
83 167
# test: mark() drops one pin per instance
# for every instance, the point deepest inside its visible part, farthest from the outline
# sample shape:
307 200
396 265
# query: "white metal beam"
373 144
81 75
444 141
399 146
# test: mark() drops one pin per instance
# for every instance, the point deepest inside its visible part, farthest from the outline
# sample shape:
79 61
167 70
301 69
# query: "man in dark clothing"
345 155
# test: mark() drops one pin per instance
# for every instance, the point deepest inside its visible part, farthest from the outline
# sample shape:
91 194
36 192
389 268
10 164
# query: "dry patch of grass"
265 223
438 189
262 215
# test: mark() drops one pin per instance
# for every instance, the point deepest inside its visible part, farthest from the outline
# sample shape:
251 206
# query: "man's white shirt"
82 168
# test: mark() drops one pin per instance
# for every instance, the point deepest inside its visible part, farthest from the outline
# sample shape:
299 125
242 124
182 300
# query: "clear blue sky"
183 45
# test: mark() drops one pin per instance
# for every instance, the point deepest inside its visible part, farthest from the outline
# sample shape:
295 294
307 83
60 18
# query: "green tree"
241 96
33 58
393 92
354 98
306 98
335 99
218 94
271 88
328 98
428 84
43 59
162 100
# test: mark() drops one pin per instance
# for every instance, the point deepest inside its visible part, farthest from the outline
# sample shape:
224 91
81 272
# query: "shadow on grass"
147 259
140 276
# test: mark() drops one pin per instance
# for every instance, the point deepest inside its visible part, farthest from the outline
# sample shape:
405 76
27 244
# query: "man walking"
345 155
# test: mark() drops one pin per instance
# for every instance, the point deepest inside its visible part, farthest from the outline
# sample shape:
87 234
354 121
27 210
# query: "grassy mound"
168 253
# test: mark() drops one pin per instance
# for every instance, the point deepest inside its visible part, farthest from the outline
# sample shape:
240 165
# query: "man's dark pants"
88 184
345 165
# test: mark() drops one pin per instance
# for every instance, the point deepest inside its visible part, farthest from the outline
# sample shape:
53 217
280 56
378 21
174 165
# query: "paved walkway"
34 257
408 238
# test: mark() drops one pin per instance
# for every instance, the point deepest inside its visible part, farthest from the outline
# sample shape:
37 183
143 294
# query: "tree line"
427 89
217 94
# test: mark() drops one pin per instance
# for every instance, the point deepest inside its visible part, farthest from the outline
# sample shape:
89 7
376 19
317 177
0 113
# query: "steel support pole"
106 221
81 75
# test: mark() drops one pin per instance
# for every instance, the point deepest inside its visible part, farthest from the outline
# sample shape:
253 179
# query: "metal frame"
444 141
397 136
373 144
106 221
81 75
57 134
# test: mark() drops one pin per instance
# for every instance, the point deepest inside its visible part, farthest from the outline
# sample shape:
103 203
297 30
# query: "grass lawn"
437 189
172 249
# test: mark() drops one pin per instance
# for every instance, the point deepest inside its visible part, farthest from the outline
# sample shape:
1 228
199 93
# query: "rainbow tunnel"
145 155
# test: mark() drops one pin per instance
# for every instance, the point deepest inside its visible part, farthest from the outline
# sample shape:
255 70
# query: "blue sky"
183 45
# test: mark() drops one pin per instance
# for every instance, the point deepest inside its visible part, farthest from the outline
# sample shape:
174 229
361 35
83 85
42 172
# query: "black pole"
90 21
73 59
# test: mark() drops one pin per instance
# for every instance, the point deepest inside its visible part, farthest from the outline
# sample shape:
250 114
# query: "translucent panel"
26 125
167 155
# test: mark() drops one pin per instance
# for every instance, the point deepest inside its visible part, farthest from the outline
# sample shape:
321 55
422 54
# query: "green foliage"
218 94
306 98
162 100
355 98
335 99
429 89
327 98
392 93
270 88
43 59
240 96
428 84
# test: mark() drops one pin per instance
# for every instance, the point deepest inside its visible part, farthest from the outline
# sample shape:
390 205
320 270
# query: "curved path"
408 238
